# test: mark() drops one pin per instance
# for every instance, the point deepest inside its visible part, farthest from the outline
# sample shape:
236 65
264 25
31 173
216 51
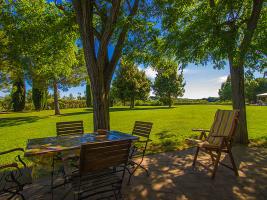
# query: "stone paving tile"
173 178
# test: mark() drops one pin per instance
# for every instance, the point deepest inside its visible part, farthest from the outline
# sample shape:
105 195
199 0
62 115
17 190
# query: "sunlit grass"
171 126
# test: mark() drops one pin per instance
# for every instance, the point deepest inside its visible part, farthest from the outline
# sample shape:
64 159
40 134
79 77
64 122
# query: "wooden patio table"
53 146
57 144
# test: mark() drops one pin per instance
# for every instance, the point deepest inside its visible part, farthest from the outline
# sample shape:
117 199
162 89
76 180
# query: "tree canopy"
130 83
169 84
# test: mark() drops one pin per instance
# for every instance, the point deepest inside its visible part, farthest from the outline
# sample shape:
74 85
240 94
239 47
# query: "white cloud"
150 73
190 71
221 79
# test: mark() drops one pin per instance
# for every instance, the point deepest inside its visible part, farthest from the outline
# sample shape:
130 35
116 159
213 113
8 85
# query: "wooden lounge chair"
142 130
14 176
219 139
101 169
69 128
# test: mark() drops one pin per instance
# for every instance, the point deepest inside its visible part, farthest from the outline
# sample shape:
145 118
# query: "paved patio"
173 178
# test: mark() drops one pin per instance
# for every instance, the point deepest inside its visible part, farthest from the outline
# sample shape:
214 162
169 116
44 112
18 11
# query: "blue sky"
201 81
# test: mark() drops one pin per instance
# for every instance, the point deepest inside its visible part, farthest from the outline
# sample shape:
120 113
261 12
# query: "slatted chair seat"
219 138
206 144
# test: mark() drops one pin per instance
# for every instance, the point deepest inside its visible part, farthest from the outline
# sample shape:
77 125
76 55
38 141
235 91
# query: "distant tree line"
253 87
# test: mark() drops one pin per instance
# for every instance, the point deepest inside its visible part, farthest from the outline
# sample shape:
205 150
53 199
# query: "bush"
200 101
6 103
148 103
29 106
64 103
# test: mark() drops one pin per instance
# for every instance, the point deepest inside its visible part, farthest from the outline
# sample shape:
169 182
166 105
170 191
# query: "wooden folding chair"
101 170
142 130
219 139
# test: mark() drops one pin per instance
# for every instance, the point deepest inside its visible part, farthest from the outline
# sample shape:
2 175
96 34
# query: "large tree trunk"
88 95
100 106
238 96
56 103
101 66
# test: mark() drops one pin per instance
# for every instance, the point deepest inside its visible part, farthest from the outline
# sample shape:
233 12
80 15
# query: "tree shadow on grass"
77 113
15 121
166 142
112 109
120 109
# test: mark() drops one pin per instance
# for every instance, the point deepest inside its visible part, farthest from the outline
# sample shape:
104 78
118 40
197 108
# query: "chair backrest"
69 128
225 123
142 129
103 155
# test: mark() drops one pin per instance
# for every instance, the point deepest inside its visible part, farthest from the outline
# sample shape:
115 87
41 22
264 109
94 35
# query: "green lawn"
171 126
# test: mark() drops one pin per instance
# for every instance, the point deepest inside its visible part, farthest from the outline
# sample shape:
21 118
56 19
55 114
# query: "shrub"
6 103
64 103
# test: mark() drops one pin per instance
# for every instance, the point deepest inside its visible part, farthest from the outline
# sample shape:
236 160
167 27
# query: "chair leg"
211 156
195 158
130 176
145 169
233 163
135 168
216 164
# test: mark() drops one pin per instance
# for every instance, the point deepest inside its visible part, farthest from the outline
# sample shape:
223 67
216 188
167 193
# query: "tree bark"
56 103
132 102
237 72
100 106
88 95
170 101
238 97
99 67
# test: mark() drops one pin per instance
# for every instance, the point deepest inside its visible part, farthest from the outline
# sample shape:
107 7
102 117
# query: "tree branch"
97 34
251 26
84 14
100 13
107 33
118 48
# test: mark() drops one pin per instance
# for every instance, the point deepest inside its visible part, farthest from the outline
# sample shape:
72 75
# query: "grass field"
171 126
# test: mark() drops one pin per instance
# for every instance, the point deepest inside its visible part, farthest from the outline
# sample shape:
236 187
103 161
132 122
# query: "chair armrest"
12 150
201 130
15 165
